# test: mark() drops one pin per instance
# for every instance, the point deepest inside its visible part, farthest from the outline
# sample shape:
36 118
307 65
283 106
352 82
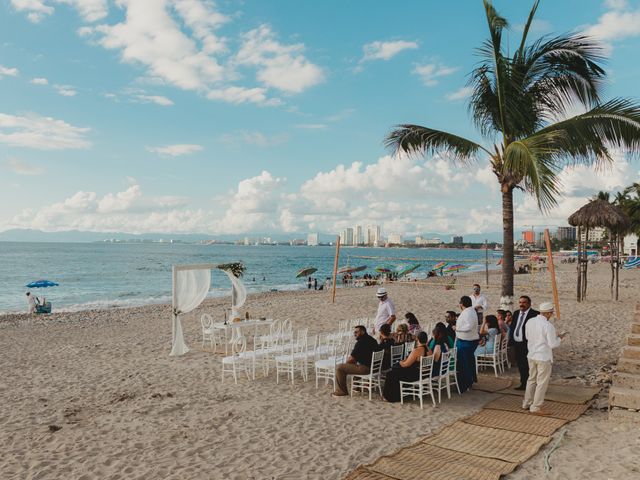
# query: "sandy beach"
123 409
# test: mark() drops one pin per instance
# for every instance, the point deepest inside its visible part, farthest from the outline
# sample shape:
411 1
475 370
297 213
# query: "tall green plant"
515 104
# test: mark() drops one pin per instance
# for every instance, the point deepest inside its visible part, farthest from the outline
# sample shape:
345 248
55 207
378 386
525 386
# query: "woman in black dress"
408 370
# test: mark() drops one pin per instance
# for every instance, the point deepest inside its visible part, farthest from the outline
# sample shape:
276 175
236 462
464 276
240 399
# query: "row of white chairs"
497 358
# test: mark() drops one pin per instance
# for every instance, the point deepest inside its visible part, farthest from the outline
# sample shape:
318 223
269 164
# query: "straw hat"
546 307
381 292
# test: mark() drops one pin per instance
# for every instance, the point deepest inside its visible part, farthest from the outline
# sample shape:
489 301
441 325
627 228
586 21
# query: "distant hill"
73 236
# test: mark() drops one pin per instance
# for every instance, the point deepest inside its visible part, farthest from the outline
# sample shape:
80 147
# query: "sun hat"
546 307
381 292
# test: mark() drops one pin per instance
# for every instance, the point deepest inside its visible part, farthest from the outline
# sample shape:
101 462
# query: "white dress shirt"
517 332
467 325
541 339
385 310
479 301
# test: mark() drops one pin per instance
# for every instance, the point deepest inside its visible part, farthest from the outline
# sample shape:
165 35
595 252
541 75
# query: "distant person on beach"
450 318
467 339
386 310
32 301
358 363
413 324
309 283
541 340
518 337
479 302
315 283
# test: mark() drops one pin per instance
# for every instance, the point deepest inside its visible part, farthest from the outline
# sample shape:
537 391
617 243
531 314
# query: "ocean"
107 275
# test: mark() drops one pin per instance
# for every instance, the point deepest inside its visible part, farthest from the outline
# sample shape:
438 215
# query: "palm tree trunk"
507 247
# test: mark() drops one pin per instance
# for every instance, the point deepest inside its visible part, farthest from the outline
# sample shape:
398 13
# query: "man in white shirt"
386 310
541 340
479 302
466 342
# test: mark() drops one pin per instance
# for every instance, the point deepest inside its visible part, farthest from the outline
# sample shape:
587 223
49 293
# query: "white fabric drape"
191 288
238 293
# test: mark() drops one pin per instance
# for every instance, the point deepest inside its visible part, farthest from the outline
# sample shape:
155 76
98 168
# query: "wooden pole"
486 262
579 268
335 271
552 271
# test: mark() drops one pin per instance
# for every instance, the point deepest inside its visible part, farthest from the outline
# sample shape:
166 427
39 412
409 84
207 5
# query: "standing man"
479 302
541 340
467 339
358 363
518 337
386 310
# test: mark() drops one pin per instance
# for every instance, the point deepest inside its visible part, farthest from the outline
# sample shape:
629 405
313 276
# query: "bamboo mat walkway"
486 445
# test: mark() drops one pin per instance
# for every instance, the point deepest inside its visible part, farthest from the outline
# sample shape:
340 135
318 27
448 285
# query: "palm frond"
414 139
588 138
527 26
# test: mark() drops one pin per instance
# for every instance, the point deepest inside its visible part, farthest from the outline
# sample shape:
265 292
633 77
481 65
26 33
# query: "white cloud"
616 24
42 133
21 168
176 150
121 201
8 72
239 95
311 126
386 50
157 99
258 139
279 66
39 81
616 4
89 10
430 73
459 94
65 90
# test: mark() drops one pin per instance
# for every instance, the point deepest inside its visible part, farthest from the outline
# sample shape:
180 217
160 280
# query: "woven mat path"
491 384
562 393
484 446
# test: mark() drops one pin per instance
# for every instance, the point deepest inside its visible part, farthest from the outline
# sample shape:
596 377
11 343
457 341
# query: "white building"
631 245
346 237
358 235
596 234
395 239
312 239
373 235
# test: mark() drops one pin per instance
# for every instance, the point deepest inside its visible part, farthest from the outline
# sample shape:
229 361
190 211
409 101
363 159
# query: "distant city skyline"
236 116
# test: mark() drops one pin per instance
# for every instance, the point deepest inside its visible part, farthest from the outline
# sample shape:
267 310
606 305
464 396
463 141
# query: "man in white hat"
541 340
386 310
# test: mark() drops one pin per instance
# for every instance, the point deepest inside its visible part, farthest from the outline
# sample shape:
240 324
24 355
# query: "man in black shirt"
358 363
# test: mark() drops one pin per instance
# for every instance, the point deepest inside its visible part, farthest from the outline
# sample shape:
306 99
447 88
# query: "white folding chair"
397 353
326 367
208 332
453 375
408 348
491 359
422 386
442 379
293 359
236 360
504 357
371 380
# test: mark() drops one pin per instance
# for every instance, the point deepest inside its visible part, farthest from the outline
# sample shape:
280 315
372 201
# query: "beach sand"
124 409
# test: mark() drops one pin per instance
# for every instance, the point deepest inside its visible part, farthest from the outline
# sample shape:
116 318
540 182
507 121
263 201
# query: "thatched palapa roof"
600 213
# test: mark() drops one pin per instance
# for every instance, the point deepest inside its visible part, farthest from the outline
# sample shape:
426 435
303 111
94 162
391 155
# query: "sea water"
106 275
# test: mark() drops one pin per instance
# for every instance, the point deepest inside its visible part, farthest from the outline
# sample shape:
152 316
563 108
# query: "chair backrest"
445 360
408 348
453 358
206 320
504 343
238 346
343 325
376 362
497 344
397 351
275 328
302 335
426 368
286 326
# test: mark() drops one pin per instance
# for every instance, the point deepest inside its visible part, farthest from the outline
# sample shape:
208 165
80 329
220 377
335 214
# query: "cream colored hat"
546 307
381 292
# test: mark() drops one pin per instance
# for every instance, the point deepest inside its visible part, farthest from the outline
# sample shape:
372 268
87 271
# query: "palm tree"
516 103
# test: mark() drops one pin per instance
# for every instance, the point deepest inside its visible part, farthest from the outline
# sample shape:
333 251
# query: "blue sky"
258 116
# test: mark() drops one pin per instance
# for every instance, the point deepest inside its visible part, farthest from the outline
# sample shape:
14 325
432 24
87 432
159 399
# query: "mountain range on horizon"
78 236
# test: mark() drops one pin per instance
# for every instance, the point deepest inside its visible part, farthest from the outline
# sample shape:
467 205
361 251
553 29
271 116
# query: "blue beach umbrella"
42 284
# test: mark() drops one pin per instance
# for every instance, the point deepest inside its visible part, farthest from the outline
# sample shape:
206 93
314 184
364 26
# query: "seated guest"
386 342
440 346
450 341
358 363
414 326
407 370
490 328
402 334
504 328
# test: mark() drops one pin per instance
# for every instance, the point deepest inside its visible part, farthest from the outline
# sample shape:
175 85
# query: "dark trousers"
522 361
466 363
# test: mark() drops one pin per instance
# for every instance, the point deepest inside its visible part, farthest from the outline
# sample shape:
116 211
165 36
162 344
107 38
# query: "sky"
233 117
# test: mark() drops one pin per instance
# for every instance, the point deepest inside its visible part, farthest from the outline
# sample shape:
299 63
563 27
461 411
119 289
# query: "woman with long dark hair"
407 370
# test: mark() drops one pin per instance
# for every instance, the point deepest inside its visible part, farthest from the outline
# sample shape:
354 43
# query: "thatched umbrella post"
599 213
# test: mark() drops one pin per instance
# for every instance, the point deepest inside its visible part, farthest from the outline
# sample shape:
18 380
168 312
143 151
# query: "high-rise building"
540 243
457 240
312 239
346 237
420 240
395 239
373 235
529 236
566 233
358 237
